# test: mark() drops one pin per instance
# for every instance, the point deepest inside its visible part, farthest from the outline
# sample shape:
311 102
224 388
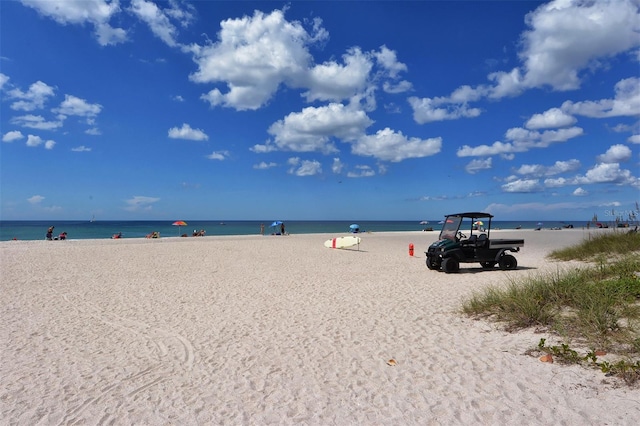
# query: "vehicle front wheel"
487 265
433 263
450 265
507 262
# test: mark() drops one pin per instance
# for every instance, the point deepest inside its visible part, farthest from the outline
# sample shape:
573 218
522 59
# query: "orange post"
411 249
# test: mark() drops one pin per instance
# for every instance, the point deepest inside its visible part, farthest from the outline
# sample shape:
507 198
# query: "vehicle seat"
472 240
482 240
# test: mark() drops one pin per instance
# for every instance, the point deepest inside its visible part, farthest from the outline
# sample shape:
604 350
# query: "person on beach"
262 229
62 236
50 233
282 228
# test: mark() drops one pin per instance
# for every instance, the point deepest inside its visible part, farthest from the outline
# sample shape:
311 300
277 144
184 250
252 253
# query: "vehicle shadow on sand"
479 270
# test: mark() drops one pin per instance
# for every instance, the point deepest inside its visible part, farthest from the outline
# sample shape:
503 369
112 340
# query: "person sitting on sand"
116 236
62 236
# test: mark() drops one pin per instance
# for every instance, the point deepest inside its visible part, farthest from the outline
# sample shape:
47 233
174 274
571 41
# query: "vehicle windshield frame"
450 228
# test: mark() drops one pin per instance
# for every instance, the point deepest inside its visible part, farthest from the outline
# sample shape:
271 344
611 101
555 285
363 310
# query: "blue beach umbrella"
276 223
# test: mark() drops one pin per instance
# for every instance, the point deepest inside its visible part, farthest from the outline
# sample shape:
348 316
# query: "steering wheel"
461 235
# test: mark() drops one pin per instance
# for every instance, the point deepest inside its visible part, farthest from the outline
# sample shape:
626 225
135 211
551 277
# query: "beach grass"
596 306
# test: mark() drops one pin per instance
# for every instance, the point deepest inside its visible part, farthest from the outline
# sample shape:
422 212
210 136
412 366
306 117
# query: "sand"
276 330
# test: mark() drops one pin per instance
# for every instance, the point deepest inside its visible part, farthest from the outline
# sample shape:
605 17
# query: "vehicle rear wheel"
450 265
433 263
488 265
507 262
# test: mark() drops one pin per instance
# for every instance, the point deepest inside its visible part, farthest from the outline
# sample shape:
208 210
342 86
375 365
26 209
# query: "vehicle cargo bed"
505 243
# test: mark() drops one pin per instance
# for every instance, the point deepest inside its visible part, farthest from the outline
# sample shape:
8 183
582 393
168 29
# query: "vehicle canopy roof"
472 215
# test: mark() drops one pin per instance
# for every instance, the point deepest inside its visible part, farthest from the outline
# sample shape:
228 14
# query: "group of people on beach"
49 236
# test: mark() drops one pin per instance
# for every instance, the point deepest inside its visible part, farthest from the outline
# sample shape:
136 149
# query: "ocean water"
36 230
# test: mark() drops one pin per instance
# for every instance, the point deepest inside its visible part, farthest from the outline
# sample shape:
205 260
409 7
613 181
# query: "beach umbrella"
424 222
276 223
179 223
478 222
354 227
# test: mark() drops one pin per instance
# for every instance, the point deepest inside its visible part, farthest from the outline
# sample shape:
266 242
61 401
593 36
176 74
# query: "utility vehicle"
454 247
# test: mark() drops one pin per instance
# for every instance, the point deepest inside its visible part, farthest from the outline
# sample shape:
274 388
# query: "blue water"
36 230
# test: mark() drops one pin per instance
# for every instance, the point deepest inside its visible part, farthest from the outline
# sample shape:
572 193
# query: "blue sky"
315 110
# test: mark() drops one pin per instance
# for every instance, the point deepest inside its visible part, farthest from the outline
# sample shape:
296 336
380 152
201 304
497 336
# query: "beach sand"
277 330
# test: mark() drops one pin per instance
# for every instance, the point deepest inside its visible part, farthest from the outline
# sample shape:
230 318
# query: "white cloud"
557 182
34 141
485 150
388 60
567 36
3 80
81 148
615 154
625 103
304 167
218 155
399 87
506 84
607 173
579 192
313 128
475 166
337 166
94 131
156 19
551 118
389 145
186 132
72 105
522 141
529 209
264 165
361 171
34 98
426 110
36 122
263 149
140 203
464 94
538 170
253 56
11 136
522 185
36 199
333 82
635 139
96 12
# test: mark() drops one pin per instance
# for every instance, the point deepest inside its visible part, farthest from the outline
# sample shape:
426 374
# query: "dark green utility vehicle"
454 247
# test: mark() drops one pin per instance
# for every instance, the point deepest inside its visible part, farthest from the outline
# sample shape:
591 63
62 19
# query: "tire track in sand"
167 346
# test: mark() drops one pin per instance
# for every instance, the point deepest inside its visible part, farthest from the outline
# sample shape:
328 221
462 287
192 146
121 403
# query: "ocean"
36 230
